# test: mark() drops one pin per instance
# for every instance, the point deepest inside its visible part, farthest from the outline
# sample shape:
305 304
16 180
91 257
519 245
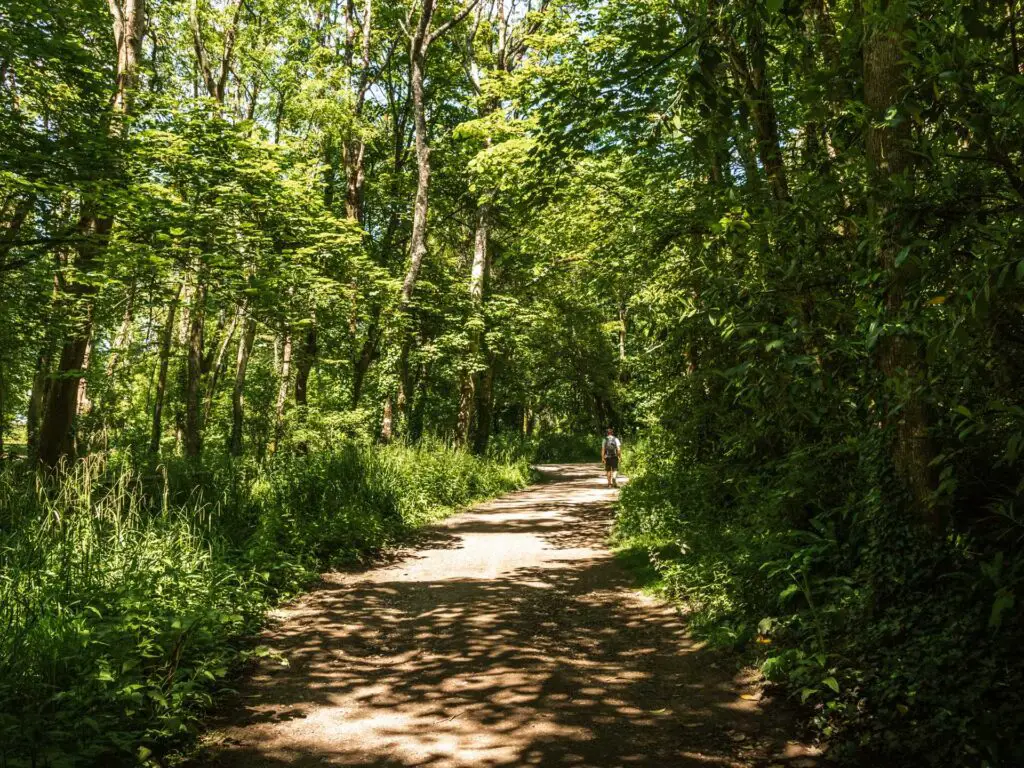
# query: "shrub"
903 647
124 597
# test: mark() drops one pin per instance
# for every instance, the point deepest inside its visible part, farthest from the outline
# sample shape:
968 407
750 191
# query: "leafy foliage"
125 606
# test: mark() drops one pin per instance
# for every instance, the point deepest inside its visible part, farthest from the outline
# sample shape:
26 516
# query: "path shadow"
557 662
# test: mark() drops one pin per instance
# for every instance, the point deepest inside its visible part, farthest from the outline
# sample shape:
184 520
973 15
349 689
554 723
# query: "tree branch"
443 29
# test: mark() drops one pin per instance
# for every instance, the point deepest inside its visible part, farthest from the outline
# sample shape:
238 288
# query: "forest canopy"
247 244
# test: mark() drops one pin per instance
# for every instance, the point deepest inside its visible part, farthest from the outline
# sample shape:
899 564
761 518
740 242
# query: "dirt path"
509 637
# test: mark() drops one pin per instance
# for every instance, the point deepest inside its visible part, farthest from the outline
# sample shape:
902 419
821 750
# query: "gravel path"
508 637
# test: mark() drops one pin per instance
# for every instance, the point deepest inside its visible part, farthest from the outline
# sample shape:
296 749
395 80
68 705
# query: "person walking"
611 451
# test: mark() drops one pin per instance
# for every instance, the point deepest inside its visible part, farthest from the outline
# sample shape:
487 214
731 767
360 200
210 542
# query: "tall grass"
124 597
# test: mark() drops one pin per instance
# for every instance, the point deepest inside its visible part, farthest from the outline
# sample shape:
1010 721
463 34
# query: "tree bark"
36 399
282 390
356 175
419 44
129 18
56 438
485 409
216 83
900 356
216 366
194 372
418 242
477 279
245 344
303 366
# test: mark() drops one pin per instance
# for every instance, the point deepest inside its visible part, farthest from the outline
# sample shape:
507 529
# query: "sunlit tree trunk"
478 276
283 386
419 44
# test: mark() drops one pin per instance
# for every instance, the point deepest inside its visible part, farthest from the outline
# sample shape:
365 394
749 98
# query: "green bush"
124 597
902 646
547 448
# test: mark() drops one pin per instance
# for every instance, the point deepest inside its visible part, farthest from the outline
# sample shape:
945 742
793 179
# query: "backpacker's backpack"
611 446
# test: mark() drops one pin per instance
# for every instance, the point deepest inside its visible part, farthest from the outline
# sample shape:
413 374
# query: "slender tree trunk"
245 344
900 356
124 334
194 372
303 366
36 398
282 390
387 432
366 357
477 279
485 409
419 407
418 243
355 148
419 43
216 368
1016 65
56 439
166 339
762 107
9 235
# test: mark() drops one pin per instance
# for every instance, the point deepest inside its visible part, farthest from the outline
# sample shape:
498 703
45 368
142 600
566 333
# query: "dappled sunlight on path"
509 637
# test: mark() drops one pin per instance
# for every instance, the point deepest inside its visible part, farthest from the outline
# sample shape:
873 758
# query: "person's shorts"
611 463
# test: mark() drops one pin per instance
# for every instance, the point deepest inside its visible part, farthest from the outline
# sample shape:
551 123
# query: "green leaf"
1004 601
832 683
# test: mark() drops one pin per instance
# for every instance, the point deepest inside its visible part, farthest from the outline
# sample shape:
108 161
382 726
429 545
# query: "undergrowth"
904 648
125 596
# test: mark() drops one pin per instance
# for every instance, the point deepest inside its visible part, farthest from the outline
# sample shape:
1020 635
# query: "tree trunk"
355 148
245 344
282 390
477 280
194 372
900 356
124 334
366 357
56 439
762 107
216 367
1016 65
166 339
485 409
303 366
129 19
36 399
386 425
419 406
419 44
418 243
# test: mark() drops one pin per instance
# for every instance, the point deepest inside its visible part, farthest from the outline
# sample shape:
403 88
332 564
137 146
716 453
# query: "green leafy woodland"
280 281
